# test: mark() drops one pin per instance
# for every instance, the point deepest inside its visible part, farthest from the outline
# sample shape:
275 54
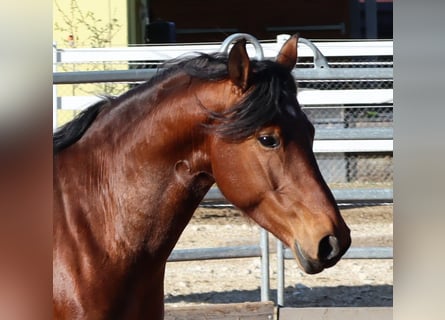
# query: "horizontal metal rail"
353 146
343 74
254 251
132 75
357 253
308 99
137 75
170 51
215 253
354 134
369 195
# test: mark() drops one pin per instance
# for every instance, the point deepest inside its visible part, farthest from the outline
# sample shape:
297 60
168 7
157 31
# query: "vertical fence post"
265 283
371 19
280 273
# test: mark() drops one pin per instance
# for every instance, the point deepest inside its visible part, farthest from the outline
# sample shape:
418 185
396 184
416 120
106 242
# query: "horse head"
263 163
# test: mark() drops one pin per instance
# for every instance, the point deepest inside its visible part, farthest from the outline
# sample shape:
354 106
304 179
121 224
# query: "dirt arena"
350 283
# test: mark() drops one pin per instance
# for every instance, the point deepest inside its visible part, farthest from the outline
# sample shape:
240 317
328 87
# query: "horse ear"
288 53
239 65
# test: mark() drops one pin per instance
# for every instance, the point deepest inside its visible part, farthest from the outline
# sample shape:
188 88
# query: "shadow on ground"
301 296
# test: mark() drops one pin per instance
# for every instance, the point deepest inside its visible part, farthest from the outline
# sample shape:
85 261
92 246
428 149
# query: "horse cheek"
235 176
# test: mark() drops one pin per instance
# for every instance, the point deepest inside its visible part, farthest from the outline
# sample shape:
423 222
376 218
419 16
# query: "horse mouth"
309 266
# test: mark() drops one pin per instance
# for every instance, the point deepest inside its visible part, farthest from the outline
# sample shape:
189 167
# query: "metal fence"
345 88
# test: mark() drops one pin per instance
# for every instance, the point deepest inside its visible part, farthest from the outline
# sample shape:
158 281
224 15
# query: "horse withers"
130 171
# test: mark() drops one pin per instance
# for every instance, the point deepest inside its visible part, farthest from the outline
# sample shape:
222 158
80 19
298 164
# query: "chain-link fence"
353 169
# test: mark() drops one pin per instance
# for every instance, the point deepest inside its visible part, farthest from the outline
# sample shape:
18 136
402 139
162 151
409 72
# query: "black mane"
272 96
74 130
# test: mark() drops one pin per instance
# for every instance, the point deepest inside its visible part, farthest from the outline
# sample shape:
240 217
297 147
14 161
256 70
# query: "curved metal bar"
319 59
259 53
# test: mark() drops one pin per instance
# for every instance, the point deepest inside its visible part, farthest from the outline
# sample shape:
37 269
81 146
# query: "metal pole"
371 19
265 283
280 273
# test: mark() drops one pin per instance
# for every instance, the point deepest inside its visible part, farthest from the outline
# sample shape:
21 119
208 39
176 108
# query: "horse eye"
269 141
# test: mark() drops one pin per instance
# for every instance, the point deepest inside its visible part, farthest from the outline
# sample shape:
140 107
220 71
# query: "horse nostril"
328 248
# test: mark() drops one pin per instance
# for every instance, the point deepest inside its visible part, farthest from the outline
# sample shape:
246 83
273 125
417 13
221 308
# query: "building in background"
214 20
101 23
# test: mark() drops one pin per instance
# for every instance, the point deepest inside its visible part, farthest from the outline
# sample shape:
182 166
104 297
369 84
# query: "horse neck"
146 182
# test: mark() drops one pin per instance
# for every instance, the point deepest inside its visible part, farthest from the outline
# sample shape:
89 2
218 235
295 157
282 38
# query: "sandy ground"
349 283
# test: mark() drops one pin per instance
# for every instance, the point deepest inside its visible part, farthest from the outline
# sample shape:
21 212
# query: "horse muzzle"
329 253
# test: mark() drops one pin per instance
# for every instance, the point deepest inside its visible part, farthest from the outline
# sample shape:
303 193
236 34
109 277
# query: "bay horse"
130 171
